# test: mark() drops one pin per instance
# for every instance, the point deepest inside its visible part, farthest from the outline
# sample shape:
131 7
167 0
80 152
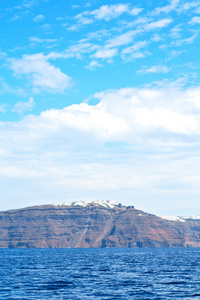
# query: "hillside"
95 224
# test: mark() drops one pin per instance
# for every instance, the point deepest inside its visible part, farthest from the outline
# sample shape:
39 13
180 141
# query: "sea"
159 273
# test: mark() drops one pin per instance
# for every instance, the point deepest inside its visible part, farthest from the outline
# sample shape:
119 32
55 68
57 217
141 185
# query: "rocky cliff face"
93 225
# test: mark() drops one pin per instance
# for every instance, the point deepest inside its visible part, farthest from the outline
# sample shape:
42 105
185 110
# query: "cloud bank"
76 151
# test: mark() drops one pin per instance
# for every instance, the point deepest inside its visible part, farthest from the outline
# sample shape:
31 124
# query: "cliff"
96 224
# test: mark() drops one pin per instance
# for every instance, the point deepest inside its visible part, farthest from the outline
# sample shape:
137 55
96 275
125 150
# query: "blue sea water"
166 273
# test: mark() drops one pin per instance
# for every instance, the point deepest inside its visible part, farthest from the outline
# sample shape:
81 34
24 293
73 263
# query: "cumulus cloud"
73 151
124 115
86 118
43 75
22 107
129 115
144 110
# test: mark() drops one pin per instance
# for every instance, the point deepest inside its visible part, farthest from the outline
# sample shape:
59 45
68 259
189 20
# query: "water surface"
166 273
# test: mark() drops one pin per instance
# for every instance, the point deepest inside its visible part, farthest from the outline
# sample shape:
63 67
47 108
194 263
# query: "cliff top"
181 219
102 203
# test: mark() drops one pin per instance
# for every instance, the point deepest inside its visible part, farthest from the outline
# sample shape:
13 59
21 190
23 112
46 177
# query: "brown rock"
92 226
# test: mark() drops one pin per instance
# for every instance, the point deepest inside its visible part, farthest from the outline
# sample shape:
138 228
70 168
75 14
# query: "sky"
100 100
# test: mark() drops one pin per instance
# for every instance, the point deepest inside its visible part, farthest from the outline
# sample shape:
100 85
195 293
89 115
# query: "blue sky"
100 100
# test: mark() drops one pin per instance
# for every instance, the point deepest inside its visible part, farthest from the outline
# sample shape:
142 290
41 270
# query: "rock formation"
96 224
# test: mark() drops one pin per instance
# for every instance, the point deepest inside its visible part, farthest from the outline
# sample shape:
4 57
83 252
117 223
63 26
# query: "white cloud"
105 12
175 53
152 133
156 38
189 5
82 19
76 27
75 6
135 11
151 109
155 69
93 64
140 20
195 20
117 144
36 40
122 111
22 107
137 46
157 24
29 4
86 118
186 41
132 52
197 10
43 75
192 95
175 32
168 8
48 28
98 35
77 50
5 88
166 119
124 115
110 48
105 53
108 12
176 5
121 39
38 18
138 55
